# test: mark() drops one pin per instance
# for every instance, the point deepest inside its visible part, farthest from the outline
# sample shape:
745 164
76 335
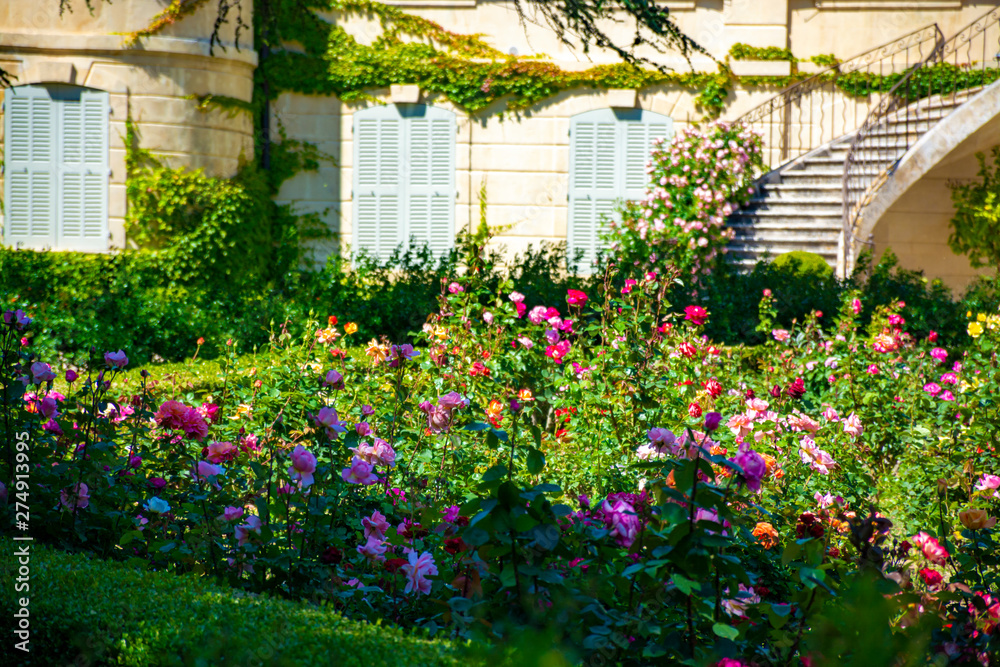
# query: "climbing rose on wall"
696 180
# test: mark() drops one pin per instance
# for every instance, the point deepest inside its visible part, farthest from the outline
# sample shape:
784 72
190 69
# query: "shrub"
114 613
800 263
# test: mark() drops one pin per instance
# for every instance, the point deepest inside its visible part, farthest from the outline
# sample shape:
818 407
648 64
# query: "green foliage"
799 263
976 224
104 612
741 51
825 60
463 69
217 232
937 79
104 300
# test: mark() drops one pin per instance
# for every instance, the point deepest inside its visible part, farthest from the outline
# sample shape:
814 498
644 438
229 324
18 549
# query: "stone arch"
968 129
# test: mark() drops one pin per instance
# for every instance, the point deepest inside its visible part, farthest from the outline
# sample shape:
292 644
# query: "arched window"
56 167
404 178
609 149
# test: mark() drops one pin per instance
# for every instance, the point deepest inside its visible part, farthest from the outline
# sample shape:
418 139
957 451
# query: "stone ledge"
619 98
404 93
761 67
78 44
889 4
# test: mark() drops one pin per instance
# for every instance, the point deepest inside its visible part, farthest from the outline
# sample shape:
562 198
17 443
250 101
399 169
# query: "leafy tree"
976 225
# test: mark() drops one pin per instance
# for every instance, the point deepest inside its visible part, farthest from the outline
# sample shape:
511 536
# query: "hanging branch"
581 18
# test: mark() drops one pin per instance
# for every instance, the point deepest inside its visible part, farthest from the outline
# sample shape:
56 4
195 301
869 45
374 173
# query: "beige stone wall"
148 83
850 27
524 159
916 227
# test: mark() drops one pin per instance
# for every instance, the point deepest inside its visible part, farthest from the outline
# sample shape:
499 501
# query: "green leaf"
725 631
685 585
535 461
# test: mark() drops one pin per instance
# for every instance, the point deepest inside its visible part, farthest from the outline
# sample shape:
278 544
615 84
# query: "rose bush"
594 472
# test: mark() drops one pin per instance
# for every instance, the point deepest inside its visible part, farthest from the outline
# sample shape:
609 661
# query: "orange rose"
766 535
976 519
525 395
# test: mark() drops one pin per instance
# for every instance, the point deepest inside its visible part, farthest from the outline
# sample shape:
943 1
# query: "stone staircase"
799 206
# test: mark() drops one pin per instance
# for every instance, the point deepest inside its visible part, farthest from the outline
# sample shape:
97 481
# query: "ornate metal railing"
816 110
923 96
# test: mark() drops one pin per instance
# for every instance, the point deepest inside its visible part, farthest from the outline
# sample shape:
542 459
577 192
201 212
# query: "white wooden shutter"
83 169
29 167
594 182
430 187
608 154
57 167
378 167
639 136
404 179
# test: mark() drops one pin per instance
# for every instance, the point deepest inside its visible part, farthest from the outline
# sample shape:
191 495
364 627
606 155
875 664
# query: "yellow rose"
976 519
350 328
981 317
975 329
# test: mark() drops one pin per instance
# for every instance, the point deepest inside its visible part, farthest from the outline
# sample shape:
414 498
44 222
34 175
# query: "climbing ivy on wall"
461 68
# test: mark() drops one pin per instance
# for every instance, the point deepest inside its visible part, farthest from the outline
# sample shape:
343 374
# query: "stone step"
823 198
757 235
809 220
779 205
786 244
813 177
822 224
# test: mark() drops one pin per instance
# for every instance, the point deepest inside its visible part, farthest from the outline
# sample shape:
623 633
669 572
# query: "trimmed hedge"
85 611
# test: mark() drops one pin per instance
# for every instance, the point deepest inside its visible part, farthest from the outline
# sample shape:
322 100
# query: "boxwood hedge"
86 611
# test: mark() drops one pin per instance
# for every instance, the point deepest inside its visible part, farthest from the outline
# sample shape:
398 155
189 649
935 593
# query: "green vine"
975 228
173 13
231 106
461 68
213 231
741 51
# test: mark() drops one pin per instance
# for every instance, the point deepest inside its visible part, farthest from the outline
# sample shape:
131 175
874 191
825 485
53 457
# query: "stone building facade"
533 164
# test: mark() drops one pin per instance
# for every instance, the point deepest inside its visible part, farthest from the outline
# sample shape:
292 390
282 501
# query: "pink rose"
852 425
575 297
208 472
41 372
243 531
115 359
219 452
696 315
334 379
360 472
303 466
375 526
416 572
231 513
77 495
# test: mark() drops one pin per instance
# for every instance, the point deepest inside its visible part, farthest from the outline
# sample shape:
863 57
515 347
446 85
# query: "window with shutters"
609 150
56 167
404 179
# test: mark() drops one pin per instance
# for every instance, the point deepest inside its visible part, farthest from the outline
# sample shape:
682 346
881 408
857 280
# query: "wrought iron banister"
815 111
926 94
